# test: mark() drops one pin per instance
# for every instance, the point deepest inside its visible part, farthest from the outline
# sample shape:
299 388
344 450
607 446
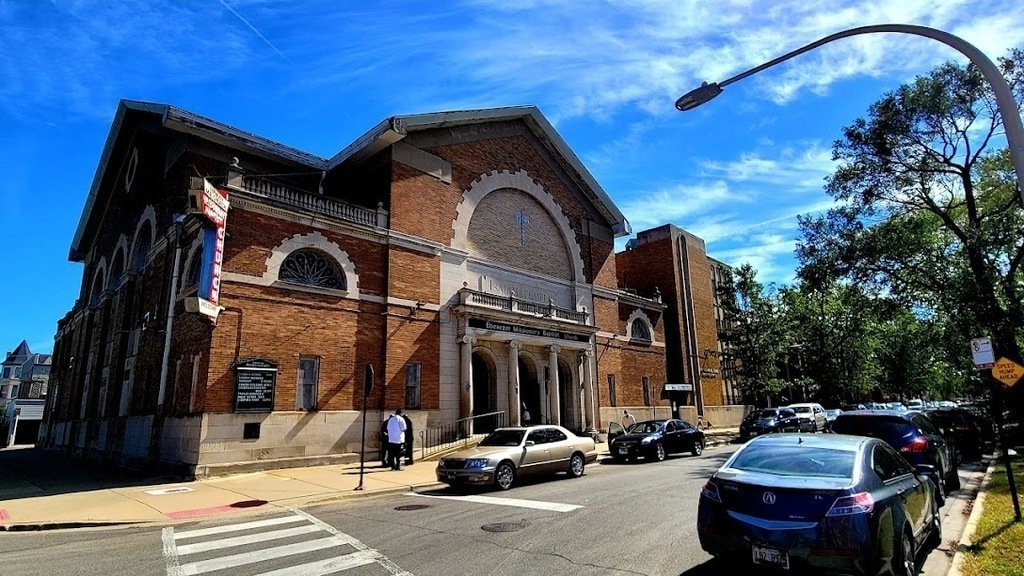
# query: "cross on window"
523 221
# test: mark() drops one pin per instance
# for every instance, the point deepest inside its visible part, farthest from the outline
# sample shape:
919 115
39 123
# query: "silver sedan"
509 453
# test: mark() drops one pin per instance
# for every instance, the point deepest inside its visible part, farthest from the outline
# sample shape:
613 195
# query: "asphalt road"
617 519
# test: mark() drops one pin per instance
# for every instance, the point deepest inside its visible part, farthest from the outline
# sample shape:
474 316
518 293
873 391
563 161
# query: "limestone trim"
521 181
320 242
639 315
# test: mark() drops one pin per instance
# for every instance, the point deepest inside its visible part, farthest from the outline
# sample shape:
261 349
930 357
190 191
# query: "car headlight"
476 463
647 440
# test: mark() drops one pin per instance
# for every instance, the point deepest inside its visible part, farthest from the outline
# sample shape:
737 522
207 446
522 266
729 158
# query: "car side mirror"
530 443
926 470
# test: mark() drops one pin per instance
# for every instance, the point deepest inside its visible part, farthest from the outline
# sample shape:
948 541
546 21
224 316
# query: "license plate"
771 557
752 434
451 475
623 450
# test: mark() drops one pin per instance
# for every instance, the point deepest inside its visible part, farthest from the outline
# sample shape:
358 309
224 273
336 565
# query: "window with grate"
311 267
413 373
309 373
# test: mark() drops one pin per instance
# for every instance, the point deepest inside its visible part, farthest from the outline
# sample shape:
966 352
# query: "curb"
955 568
39 526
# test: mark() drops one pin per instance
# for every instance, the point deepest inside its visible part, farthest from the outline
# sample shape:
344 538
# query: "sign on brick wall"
255 382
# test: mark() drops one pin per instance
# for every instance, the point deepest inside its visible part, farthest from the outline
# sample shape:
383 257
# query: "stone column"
554 407
588 391
513 384
466 379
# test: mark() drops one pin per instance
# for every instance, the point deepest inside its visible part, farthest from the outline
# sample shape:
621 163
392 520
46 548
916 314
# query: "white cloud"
798 165
677 202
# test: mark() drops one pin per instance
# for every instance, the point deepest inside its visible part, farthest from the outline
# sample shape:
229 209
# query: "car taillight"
917 446
710 491
860 503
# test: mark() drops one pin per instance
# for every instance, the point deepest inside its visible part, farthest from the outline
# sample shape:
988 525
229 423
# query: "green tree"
929 211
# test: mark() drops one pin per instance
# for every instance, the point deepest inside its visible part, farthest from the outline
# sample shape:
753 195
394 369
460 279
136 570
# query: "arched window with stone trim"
312 267
141 247
638 327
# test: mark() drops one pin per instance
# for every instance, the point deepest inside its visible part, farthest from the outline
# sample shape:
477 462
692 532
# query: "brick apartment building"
468 257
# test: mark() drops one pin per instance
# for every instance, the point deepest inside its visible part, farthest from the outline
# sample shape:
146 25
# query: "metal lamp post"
1004 96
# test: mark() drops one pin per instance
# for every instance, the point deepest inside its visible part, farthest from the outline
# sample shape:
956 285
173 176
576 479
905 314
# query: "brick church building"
235 291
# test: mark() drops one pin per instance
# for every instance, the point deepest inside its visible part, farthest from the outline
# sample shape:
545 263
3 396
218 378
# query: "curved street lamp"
1004 96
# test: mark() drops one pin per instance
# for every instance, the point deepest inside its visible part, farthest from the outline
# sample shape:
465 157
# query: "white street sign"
984 356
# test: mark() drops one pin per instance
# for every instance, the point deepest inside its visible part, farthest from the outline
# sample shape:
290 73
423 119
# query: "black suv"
916 438
768 420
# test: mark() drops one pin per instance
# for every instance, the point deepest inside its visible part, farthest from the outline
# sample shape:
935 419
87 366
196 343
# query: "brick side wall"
704 320
414 275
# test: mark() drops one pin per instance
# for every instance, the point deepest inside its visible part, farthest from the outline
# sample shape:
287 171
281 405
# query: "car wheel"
504 476
659 452
814 427
940 489
576 465
698 448
907 562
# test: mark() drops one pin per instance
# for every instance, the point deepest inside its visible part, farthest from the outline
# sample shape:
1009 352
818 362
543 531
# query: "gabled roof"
379 137
19 354
396 128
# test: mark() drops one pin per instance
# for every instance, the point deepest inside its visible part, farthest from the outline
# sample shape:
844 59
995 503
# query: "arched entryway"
529 391
485 386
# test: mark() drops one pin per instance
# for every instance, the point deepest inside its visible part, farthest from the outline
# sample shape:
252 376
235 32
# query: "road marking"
350 553
328 566
243 540
238 527
534 504
236 560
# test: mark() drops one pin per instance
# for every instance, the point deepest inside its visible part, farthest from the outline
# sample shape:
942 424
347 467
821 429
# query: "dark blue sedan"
844 504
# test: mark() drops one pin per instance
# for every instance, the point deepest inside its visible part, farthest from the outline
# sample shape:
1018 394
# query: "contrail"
253 28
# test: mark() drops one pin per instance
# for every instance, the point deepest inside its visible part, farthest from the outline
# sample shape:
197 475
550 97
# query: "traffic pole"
367 388
997 409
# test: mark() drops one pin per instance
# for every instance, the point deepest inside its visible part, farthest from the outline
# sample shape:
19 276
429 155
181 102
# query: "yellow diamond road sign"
1007 371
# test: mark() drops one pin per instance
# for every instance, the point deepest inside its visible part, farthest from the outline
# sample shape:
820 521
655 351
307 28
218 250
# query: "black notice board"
255 381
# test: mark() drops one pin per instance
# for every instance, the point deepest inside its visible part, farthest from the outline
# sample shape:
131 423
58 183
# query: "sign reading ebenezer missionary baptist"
525 330
255 381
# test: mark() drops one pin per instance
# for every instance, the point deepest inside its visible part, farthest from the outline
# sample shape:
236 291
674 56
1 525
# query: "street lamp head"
698 96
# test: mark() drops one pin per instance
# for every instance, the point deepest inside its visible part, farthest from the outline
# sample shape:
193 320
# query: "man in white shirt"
627 420
396 439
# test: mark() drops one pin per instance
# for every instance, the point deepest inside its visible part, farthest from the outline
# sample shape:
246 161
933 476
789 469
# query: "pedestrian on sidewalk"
384 442
627 420
408 439
396 439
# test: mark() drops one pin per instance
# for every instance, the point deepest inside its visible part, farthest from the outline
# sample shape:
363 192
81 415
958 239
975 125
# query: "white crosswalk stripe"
516 502
199 551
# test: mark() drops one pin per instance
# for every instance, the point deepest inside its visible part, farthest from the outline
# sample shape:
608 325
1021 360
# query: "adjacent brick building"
468 257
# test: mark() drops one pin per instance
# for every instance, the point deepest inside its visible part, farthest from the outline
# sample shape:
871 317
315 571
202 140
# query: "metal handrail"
461 431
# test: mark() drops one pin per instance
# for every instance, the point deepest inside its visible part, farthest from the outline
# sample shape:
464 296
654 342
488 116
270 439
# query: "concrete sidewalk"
41 490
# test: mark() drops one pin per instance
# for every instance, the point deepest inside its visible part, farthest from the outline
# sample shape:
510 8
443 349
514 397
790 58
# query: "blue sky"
316 75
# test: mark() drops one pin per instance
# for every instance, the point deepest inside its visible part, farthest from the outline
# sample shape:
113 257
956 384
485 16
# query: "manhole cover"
407 507
248 504
504 526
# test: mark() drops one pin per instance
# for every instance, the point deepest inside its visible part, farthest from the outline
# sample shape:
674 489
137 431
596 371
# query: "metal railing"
458 433
312 202
512 304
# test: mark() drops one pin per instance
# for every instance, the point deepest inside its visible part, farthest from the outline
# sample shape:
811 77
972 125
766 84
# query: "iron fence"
460 432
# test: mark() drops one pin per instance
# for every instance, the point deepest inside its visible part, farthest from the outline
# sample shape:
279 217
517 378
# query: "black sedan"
768 420
654 439
834 503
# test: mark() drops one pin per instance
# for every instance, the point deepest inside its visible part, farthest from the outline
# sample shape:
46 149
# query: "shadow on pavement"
29 472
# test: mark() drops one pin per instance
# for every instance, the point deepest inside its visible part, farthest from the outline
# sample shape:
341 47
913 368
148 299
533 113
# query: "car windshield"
645 427
802 409
763 414
504 438
795 461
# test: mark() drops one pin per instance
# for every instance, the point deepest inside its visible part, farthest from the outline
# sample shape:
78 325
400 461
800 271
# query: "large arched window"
311 267
140 250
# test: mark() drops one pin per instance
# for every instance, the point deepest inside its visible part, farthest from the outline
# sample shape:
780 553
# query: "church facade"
237 292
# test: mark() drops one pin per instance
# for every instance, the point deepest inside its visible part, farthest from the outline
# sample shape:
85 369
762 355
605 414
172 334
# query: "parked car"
831 414
913 435
812 415
963 427
768 420
896 407
654 439
915 404
835 503
510 453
